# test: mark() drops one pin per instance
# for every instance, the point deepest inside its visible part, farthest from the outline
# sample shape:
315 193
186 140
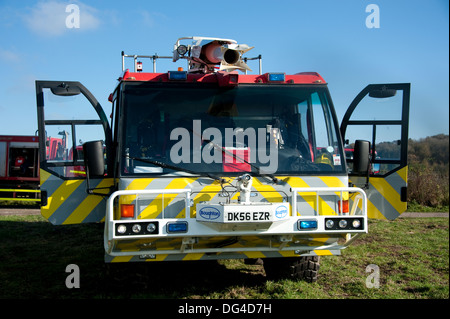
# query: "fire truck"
19 168
209 162
19 165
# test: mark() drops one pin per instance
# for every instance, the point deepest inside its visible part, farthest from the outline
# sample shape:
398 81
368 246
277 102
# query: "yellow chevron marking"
324 208
288 253
335 182
332 181
389 193
323 252
318 238
44 175
157 205
88 204
373 212
193 257
403 173
182 214
121 259
59 196
139 183
206 194
299 182
136 184
267 191
254 254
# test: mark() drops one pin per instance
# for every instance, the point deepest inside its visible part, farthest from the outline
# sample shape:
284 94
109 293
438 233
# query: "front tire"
304 268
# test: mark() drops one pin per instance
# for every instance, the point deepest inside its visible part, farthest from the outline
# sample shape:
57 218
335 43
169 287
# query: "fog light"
121 229
356 223
342 223
136 228
151 227
329 223
182 49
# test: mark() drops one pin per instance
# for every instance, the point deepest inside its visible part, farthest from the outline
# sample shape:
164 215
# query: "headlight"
121 229
356 223
329 223
136 228
343 223
151 227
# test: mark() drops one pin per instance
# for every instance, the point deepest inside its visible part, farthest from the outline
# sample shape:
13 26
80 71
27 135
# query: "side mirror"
361 157
94 159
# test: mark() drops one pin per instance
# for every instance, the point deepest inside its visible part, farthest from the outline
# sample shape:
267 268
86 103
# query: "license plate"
262 216
236 213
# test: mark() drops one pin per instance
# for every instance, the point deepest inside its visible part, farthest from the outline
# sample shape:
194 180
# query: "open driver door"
380 116
69 116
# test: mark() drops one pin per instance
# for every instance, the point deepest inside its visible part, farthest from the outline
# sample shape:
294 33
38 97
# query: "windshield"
272 129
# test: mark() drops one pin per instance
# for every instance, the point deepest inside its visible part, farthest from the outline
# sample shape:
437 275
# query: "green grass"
415 207
412 255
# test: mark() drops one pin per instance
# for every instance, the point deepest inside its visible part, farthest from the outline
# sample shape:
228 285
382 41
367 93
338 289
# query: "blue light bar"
177 75
177 227
307 224
276 77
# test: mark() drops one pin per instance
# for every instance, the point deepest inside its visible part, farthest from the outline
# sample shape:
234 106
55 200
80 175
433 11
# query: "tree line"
428 174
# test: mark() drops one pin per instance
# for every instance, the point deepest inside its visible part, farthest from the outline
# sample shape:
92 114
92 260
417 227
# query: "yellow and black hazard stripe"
384 194
68 201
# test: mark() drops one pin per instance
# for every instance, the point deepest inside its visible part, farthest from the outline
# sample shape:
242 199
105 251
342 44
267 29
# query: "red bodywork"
224 78
19 159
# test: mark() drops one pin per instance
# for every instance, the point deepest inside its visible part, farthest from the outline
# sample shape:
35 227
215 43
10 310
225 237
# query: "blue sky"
326 36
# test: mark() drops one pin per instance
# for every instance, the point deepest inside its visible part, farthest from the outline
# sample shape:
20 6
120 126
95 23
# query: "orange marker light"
127 210
344 207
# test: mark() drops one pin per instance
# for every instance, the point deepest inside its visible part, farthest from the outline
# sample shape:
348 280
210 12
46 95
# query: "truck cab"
214 163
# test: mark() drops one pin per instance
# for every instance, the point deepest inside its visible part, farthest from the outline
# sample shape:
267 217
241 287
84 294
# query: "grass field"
412 256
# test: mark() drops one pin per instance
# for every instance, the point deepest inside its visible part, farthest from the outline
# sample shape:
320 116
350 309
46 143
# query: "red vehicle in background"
19 168
19 165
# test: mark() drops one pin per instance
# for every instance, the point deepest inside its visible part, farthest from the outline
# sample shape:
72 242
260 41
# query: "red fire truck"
19 168
214 163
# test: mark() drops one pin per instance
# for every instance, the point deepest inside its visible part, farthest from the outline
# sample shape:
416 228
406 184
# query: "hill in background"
428 180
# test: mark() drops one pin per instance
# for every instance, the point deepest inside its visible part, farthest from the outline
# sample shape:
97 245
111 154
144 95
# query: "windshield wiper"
175 168
260 172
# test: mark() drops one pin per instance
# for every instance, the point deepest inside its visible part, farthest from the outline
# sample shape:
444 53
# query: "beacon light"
307 224
276 77
177 75
177 227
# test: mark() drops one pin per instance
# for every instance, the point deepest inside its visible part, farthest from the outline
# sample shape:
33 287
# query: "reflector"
344 207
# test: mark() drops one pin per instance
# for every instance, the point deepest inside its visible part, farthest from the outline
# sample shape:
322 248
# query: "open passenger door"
380 115
66 122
